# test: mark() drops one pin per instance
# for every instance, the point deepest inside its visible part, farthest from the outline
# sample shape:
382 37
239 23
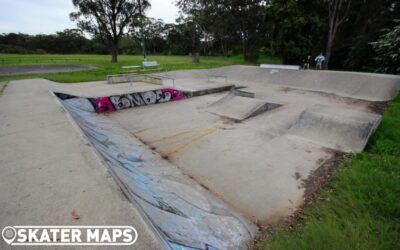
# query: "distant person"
306 62
320 59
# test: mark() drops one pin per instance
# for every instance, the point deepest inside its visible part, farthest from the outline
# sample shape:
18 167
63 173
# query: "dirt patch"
319 177
378 107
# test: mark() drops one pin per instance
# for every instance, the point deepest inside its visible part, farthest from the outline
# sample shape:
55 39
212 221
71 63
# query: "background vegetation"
290 29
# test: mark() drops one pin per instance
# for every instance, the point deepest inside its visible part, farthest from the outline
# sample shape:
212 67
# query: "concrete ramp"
240 108
338 128
364 86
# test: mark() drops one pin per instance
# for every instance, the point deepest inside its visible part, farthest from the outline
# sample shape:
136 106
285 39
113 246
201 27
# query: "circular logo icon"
9 234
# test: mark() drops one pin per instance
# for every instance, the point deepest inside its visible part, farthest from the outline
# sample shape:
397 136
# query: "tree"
338 13
238 18
192 17
154 32
367 18
387 48
298 28
108 19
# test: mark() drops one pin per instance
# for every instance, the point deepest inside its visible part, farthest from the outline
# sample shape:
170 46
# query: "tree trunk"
338 11
223 48
114 53
328 50
196 57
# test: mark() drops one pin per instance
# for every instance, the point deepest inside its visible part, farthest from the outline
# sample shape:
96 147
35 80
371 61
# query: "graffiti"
175 95
149 97
103 104
117 102
121 102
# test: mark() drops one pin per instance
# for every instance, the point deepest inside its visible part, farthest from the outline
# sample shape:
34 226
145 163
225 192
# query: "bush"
387 49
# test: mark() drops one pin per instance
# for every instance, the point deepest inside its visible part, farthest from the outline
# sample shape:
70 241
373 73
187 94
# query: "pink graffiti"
104 104
176 95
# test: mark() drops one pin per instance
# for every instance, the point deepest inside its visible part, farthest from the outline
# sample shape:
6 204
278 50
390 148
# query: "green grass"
360 207
105 67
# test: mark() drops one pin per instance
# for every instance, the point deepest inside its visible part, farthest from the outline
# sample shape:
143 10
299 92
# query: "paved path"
47 171
40 69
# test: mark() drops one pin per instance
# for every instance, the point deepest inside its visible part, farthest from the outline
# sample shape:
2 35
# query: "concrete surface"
181 211
239 108
341 129
40 69
256 166
100 88
365 86
47 170
260 156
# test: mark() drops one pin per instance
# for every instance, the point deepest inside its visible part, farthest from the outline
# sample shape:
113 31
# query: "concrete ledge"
122 78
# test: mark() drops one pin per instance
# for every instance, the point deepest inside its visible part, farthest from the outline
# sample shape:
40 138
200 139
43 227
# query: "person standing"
319 61
306 62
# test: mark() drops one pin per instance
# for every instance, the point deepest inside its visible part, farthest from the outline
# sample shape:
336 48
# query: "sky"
48 16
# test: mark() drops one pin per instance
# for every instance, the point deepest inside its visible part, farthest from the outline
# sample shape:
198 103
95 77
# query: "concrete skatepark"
214 163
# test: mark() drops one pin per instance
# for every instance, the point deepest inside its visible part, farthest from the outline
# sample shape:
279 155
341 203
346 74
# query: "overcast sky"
49 16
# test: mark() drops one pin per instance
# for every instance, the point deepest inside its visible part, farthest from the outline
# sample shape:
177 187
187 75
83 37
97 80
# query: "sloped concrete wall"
180 211
338 128
365 86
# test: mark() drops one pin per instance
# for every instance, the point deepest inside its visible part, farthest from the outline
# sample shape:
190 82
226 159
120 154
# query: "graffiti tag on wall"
117 102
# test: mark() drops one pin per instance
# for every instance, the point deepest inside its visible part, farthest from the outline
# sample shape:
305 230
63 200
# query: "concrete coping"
123 78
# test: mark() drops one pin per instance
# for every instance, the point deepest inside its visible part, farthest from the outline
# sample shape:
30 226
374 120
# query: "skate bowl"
181 212
200 165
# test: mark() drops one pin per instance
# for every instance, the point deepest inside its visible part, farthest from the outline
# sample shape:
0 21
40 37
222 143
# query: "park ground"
359 206
104 67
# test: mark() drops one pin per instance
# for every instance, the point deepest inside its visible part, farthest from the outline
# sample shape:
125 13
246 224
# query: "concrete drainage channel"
180 211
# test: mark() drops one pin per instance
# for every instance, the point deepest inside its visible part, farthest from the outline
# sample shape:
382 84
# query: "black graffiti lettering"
137 99
149 97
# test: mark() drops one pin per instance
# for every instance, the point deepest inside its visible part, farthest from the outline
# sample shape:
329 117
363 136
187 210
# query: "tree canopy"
353 34
108 19
387 49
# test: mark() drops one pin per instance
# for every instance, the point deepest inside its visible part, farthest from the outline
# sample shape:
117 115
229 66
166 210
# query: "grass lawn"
360 207
105 67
